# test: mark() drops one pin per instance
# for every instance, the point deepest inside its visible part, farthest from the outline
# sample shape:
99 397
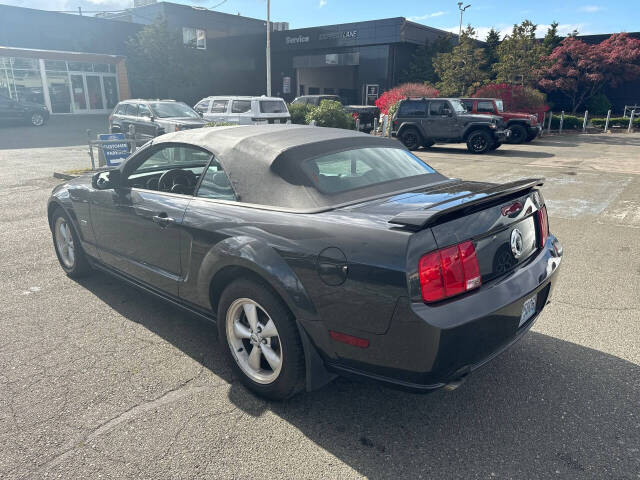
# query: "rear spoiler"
418 219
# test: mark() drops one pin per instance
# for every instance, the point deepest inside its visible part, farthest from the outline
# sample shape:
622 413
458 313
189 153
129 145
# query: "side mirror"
106 180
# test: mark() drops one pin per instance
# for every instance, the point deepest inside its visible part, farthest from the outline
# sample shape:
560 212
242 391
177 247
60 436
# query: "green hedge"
331 114
570 122
615 122
298 112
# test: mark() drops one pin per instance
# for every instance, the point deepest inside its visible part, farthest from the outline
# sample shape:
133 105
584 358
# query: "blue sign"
114 153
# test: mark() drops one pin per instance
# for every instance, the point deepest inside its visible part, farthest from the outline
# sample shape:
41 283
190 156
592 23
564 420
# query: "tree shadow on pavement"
545 408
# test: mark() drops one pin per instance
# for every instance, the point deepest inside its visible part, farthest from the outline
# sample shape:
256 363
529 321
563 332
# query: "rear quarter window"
412 108
485 107
272 106
119 110
241 106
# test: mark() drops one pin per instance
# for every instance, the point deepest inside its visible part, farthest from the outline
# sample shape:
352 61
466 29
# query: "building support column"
45 86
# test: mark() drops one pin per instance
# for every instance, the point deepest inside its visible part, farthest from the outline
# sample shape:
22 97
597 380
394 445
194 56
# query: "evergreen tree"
551 39
461 71
491 49
519 56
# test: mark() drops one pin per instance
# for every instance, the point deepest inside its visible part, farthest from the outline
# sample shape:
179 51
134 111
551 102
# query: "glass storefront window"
20 79
110 91
55 65
95 92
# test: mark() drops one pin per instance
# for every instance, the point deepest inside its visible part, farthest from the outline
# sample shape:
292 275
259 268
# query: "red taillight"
543 223
449 272
349 339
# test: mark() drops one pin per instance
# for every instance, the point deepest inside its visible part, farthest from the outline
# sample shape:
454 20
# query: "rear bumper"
429 347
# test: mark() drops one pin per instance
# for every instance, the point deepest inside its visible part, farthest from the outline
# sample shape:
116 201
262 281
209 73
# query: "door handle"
163 220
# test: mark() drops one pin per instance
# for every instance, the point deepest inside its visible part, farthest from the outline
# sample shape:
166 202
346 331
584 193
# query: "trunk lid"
456 211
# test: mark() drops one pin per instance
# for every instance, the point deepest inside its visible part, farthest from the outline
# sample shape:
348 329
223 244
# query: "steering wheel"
177 180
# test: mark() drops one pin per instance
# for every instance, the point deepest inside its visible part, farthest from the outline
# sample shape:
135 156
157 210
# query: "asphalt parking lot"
98 380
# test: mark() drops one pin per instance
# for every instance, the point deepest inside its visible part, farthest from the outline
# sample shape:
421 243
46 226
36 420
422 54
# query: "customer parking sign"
114 153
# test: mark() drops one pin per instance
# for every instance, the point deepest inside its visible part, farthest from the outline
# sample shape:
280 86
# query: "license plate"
528 310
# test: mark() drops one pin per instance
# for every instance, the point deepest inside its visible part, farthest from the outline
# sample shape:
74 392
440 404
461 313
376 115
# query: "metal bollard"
606 124
93 161
375 126
630 128
561 121
584 122
550 119
358 124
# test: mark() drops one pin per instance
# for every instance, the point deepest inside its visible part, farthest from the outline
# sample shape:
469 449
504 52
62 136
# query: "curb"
64 176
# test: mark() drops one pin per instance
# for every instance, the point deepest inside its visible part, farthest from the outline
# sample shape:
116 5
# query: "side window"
412 108
241 106
468 104
219 106
131 109
439 108
170 157
144 111
203 106
215 184
485 107
120 109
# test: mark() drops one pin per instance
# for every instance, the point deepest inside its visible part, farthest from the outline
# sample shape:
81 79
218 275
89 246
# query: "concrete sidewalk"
60 131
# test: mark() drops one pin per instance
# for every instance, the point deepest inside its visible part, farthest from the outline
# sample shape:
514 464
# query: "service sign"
114 153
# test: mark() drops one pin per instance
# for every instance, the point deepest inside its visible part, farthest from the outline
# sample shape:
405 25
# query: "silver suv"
243 110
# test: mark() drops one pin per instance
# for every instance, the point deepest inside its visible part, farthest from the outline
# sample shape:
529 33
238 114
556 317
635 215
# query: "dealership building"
77 64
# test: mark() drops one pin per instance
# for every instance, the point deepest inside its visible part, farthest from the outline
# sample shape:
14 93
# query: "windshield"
500 105
458 106
273 106
362 167
173 109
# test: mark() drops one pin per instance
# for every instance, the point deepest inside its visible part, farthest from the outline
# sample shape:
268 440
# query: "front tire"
37 119
518 134
69 251
263 344
411 138
479 142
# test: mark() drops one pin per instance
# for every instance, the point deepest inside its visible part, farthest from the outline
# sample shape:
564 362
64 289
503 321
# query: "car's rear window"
363 167
272 106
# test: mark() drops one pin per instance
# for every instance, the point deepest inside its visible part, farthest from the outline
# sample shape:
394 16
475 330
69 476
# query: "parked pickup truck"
421 122
524 127
365 113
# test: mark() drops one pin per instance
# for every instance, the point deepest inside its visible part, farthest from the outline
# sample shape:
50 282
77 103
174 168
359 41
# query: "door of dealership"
335 80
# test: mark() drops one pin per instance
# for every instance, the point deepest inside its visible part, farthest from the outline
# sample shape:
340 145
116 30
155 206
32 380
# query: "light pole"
268 48
461 12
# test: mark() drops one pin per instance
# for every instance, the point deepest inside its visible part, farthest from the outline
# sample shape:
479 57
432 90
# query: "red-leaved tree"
580 71
393 96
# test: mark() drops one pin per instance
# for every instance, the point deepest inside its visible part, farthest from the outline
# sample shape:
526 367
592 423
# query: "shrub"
299 112
330 114
570 122
515 97
615 122
393 96
599 105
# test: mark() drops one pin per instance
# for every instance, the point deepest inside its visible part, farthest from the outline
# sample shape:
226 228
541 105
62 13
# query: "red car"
524 126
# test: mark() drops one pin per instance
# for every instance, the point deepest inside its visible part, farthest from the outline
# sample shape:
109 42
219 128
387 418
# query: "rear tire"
479 142
518 134
69 251
251 317
411 138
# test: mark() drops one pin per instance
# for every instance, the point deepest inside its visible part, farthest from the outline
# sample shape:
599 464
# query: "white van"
243 110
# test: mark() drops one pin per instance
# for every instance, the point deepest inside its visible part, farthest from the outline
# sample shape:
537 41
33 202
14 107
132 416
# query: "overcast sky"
587 17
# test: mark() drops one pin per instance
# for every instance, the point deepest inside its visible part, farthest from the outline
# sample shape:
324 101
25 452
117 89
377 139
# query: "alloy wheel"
479 143
37 119
64 242
254 341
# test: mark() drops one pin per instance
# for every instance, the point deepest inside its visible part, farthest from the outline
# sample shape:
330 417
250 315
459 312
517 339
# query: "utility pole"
461 12
268 48
80 10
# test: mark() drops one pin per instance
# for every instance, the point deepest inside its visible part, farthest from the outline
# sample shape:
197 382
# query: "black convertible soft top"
263 162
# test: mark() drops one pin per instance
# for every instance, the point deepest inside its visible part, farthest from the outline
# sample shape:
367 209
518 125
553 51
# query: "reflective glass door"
94 92
77 87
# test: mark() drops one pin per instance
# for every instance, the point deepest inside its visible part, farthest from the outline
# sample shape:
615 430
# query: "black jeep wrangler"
425 121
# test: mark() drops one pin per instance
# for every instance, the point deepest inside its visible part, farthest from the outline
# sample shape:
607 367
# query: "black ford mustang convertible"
318 252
